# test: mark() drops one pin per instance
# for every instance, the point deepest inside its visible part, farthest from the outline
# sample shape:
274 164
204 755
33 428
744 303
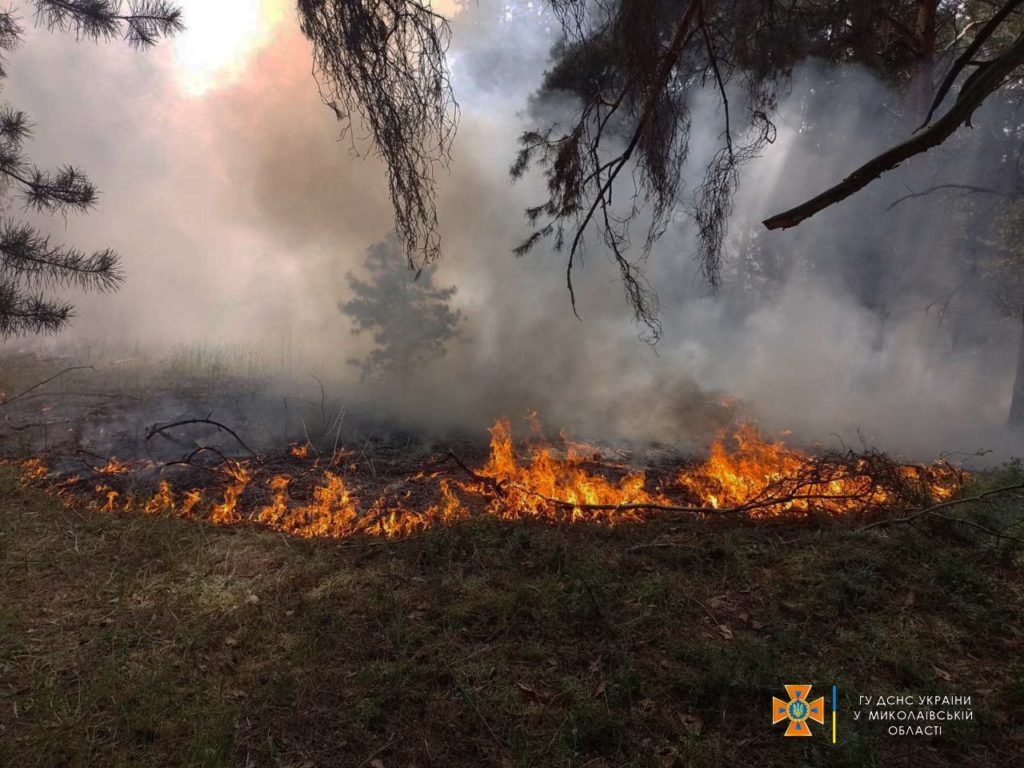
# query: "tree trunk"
1016 419
923 78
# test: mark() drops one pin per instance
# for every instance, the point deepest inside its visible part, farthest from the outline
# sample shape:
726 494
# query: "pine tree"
410 318
32 267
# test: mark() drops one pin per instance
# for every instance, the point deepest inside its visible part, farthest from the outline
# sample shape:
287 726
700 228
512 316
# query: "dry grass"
129 641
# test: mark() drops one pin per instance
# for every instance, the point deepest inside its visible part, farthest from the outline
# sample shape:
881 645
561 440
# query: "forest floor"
128 640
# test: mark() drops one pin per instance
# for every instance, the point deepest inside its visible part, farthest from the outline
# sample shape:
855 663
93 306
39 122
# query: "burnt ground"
108 407
185 419
131 640
105 405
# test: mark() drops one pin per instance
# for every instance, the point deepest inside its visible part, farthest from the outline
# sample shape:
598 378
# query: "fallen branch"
472 703
661 545
154 430
798 489
26 396
637 507
489 481
47 381
187 460
377 752
29 425
933 510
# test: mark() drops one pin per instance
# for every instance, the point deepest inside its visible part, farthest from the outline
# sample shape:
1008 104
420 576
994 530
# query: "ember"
114 467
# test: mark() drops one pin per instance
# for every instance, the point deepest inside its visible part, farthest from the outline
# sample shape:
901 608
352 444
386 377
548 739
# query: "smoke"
239 213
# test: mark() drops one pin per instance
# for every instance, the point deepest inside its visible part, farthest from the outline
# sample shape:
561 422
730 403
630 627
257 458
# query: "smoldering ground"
240 212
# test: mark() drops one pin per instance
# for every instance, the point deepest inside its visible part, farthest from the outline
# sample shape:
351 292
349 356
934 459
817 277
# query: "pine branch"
142 26
29 262
65 190
28 259
10 37
22 314
14 128
384 61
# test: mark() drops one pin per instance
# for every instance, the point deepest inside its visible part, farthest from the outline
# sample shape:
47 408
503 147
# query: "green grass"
130 641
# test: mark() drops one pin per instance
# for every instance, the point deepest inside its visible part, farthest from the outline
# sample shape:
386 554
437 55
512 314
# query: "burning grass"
564 482
768 478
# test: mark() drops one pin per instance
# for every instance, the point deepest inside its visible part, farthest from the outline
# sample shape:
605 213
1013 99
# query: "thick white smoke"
239 213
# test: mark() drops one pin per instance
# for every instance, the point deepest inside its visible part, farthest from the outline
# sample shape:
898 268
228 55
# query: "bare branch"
155 430
47 380
966 189
978 87
933 510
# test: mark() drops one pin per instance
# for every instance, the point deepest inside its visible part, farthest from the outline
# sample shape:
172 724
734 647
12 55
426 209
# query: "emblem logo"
799 710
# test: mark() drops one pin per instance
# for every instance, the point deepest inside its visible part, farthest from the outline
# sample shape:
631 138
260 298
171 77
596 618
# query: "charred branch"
157 430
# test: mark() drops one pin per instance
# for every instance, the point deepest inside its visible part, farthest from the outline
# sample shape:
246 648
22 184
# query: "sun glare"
219 40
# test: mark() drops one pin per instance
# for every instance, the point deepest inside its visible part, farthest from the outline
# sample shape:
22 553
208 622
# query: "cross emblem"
798 710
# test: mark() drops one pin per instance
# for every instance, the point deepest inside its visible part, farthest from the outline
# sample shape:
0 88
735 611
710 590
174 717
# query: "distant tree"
32 267
410 318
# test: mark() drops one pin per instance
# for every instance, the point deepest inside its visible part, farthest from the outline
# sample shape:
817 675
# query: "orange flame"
161 502
226 513
552 488
569 483
772 479
34 469
114 467
191 500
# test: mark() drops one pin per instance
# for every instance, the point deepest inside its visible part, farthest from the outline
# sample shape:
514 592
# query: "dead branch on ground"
55 376
155 430
933 511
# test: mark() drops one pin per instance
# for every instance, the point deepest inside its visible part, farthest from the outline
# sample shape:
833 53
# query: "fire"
563 483
190 502
162 502
332 512
114 467
226 513
551 488
34 469
769 478
110 495
733 478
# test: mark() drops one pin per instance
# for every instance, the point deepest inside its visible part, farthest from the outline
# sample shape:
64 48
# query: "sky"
238 210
